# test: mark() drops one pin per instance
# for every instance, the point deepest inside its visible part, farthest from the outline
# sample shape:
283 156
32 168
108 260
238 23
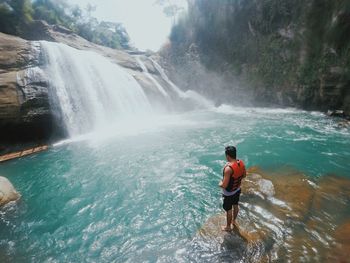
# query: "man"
233 173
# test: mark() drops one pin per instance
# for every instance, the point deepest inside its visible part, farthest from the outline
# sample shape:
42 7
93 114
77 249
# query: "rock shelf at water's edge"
286 215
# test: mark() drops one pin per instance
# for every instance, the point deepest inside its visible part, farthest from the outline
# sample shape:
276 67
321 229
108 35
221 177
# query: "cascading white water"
149 76
190 94
90 90
193 97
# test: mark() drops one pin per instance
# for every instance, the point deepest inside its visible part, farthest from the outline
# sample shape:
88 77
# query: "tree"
170 9
15 15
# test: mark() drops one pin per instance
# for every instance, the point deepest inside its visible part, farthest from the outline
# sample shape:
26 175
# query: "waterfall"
89 90
149 76
195 97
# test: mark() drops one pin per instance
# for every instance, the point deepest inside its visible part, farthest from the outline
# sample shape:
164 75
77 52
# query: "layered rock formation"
24 105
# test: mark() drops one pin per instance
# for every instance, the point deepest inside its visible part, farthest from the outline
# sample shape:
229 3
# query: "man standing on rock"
233 173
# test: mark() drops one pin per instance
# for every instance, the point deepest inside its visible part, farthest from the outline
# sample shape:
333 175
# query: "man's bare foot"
235 224
226 228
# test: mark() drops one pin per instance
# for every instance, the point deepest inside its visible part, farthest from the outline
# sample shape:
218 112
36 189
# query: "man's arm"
227 174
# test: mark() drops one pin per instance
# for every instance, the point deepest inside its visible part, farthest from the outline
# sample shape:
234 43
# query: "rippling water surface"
141 194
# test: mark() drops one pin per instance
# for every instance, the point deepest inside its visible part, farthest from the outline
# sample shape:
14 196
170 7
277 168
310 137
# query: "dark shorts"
230 201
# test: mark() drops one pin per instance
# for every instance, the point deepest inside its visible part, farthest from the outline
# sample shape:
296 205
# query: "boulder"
7 192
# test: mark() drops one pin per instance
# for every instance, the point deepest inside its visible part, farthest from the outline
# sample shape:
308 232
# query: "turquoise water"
141 196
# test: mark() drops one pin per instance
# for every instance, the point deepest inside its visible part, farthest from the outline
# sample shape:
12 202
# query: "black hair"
231 151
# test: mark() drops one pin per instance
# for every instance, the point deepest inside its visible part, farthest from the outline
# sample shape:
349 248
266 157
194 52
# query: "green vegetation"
16 17
278 45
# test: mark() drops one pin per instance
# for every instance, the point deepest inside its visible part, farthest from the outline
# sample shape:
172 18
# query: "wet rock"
24 101
212 229
290 189
336 113
7 192
266 187
330 204
256 184
284 215
342 237
243 242
332 189
302 246
313 236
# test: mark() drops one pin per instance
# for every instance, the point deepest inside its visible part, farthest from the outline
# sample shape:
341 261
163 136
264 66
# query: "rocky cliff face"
24 105
25 115
268 52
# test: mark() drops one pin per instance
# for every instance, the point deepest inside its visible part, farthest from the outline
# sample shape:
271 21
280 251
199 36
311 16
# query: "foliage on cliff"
16 17
278 45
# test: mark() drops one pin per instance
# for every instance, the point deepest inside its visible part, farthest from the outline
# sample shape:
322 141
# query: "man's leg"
235 214
228 221
227 205
235 207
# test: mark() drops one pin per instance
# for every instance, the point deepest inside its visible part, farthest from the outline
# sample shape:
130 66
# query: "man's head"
230 152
